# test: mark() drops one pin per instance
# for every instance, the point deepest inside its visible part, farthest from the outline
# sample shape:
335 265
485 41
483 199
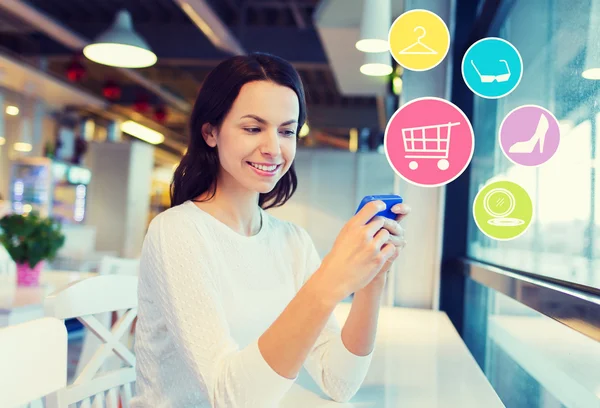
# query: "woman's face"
257 140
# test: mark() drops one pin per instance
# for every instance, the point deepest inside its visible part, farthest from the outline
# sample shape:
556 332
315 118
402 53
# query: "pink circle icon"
429 142
529 135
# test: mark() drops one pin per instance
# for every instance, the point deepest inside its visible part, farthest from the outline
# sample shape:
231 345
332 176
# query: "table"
420 361
19 304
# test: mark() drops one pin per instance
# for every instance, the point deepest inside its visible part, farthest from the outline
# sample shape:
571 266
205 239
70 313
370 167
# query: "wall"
119 194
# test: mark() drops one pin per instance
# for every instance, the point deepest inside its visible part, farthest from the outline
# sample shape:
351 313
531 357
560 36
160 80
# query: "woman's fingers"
402 210
396 233
375 225
381 238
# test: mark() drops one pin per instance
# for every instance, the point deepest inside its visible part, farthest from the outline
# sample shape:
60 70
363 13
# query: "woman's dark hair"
198 169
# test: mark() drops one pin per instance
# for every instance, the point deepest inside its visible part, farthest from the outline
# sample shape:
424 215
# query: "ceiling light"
121 46
12 110
374 27
24 142
372 45
377 64
22 147
142 132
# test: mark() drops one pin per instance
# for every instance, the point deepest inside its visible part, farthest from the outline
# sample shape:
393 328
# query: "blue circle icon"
492 68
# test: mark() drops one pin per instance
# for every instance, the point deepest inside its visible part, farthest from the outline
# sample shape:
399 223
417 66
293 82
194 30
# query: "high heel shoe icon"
527 146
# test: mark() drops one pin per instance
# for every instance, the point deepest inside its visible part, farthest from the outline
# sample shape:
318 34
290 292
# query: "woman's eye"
288 133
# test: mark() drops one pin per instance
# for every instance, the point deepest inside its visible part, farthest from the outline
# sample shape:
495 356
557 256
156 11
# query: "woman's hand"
396 238
360 250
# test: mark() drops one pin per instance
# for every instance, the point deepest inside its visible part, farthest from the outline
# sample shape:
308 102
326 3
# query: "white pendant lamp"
121 46
591 69
377 64
25 143
375 26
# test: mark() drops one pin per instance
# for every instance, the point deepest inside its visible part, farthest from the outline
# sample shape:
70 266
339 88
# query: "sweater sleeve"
175 261
338 372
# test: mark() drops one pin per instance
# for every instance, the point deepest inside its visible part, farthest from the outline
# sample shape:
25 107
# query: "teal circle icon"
492 68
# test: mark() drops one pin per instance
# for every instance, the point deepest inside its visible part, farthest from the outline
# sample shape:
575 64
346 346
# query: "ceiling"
338 24
338 100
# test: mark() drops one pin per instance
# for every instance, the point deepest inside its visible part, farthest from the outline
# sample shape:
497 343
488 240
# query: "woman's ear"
209 135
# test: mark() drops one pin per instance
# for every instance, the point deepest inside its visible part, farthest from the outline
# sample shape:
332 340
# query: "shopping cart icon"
428 142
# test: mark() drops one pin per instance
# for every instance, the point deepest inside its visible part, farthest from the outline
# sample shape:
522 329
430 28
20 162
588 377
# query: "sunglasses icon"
491 78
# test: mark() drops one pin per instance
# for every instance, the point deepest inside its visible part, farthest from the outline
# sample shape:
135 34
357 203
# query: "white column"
416 272
38 114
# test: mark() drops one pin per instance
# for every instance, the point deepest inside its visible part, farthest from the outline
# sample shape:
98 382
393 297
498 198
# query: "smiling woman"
232 300
245 104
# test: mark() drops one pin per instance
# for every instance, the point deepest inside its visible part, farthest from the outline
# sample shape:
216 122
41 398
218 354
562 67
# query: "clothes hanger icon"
491 78
429 51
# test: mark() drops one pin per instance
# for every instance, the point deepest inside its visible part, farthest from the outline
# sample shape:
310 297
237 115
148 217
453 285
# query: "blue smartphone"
390 200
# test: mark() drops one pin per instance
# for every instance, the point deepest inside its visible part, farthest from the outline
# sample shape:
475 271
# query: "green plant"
31 238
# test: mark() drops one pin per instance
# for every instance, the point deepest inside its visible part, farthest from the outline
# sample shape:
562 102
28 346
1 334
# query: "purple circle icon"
529 135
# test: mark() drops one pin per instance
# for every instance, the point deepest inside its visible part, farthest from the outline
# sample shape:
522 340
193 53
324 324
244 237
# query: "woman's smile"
265 170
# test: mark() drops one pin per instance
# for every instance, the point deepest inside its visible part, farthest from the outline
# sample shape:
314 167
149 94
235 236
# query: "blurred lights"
79 175
142 132
2 141
372 45
22 147
12 110
353 145
19 189
592 73
397 85
304 130
375 69
377 64
80 192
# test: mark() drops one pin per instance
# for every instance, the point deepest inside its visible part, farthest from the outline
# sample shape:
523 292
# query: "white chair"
109 265
8 267
33 361
82 300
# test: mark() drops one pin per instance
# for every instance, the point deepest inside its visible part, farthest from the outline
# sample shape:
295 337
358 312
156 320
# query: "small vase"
28 276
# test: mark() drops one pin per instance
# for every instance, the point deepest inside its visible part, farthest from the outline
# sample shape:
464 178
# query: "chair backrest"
83 300
109 265
7 265
112 265
33 361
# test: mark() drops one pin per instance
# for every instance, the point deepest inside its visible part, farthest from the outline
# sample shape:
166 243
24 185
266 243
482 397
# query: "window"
530 359
563 240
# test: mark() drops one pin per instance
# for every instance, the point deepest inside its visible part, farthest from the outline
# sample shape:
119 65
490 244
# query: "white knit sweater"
206 294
